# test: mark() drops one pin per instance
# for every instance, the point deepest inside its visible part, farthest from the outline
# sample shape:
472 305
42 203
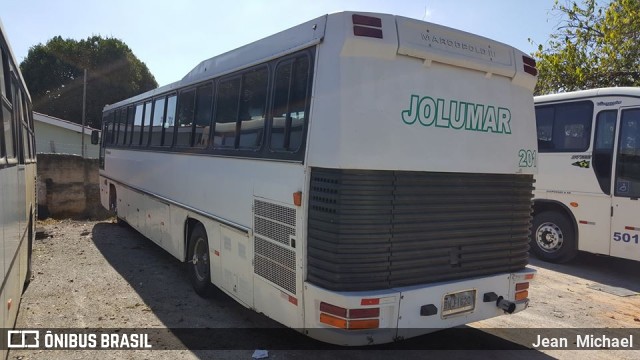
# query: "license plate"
458 302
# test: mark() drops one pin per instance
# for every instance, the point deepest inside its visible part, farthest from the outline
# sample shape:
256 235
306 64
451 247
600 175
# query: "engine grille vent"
373 230
275 258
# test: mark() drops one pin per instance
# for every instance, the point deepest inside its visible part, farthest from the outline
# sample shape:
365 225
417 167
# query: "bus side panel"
144 213
557 172
237 258
277 304
593 218
625 229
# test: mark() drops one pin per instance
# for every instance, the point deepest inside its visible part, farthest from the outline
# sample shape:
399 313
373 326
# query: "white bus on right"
588 181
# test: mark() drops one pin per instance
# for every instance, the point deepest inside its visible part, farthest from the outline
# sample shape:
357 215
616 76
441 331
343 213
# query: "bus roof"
583 94
444 44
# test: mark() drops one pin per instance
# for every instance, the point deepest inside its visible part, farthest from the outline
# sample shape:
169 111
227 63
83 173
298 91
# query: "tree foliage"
54 75
597 44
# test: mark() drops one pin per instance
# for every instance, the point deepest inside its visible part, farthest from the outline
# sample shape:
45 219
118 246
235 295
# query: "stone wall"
68 187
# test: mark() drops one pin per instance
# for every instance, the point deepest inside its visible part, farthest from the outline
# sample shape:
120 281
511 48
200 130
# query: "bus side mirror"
95 137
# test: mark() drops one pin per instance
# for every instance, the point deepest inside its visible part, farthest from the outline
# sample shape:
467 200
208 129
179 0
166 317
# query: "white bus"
17 186
360 177
588 181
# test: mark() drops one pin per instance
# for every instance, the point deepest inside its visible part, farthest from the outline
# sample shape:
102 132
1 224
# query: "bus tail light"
367 26
529 65
333 321
332 309
529 276
521 295
364 313
349 319
363 324
521 291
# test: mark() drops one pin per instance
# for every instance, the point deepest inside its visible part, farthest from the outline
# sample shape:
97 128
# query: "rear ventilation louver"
367 26
275 258
373 230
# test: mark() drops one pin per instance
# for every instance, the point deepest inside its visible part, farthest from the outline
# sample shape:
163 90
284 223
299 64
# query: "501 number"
527 158
626 237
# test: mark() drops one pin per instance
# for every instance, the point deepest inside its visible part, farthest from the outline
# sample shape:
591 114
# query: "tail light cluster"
522 288
367 26
529 65
349 319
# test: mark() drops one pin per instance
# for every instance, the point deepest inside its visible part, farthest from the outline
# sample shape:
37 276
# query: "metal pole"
84 104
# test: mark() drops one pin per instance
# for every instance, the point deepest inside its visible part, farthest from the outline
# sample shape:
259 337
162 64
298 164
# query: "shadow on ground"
607 270
223 324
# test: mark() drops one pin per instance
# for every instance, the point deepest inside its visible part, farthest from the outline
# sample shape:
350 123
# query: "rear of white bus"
421 154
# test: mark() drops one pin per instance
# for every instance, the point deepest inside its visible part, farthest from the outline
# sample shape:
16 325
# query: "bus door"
625 221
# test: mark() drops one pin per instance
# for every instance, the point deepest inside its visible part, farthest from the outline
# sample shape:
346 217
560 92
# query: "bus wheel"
553 238
198 261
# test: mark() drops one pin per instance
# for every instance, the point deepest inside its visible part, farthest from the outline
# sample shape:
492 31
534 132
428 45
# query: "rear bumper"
412 311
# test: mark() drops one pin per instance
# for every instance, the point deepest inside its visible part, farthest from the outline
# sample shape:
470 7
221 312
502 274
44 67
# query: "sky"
172 37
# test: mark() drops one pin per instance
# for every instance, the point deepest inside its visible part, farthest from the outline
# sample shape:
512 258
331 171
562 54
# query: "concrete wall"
68 187
52 139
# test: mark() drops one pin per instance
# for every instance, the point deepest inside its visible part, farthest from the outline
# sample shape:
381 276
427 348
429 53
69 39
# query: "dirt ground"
91 275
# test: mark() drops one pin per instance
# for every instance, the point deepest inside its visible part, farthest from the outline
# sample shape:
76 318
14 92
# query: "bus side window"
202 122
253 103
137 125
564 127
186 103
544 123
628 162
107 123
122 126
156 122
603 148
7 118
146 124
170 121
227 101
130 118
289 105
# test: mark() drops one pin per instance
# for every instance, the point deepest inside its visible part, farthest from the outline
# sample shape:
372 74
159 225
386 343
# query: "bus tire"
198 261
553 238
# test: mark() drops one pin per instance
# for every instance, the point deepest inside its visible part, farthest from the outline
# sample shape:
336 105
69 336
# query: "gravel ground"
91 275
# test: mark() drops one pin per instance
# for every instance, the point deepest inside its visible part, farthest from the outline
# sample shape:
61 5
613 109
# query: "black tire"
198 261
553 237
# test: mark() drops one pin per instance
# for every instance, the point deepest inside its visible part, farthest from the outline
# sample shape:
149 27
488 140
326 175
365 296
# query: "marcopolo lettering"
458 115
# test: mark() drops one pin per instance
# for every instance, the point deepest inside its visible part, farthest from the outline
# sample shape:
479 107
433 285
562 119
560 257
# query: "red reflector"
583 222
293 300
332 309
369 301
366 20
522 286
630 228
530 70
366 31
529 61
364 313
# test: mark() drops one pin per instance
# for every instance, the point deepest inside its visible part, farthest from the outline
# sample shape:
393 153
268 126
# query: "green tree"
54 75
597 44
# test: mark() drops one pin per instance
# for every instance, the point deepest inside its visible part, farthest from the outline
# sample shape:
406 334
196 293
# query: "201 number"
626 237
527 158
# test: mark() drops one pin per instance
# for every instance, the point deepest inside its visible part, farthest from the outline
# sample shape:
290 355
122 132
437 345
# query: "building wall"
51 139
68 187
